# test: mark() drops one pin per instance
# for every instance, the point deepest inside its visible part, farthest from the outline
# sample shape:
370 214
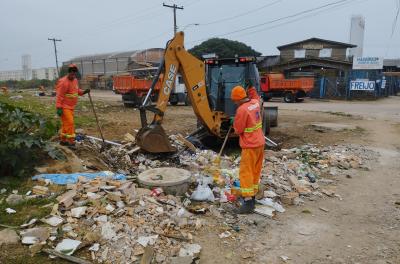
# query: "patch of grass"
26 210
47 109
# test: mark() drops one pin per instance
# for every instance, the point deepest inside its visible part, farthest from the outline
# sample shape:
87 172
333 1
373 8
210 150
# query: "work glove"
86 91
59 111
231 120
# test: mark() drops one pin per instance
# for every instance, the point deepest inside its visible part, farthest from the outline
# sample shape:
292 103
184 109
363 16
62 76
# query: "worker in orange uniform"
248 125
67 96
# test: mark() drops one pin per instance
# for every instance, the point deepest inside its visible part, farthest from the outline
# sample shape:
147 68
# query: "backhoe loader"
208 85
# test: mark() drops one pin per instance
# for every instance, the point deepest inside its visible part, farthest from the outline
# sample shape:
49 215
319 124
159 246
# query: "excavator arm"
152 137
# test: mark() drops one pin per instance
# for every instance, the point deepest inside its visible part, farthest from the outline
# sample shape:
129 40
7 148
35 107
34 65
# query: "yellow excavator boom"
152 137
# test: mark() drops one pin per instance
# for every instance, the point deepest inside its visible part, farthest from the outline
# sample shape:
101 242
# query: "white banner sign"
362 85
367 63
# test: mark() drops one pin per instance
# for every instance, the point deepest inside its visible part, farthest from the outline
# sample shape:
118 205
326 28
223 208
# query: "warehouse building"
116 63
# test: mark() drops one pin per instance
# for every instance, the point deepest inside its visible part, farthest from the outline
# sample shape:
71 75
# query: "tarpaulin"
63 179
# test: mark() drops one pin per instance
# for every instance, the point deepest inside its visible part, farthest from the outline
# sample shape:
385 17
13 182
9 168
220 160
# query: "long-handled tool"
97 122
218 158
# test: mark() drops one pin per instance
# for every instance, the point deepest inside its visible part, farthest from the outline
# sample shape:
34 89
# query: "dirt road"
363 227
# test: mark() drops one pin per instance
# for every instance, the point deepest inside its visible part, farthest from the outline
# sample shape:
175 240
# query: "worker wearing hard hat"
67 96
248 125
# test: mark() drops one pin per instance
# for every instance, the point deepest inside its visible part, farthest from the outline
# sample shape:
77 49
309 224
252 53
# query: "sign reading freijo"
362 85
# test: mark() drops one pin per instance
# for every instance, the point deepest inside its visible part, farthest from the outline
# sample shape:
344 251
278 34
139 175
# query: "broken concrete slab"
8 237
14 199
67 246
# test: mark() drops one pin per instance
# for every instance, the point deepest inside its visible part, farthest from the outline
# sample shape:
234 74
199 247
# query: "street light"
191 24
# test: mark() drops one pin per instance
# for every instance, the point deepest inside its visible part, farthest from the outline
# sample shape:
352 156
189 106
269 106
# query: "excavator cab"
222 75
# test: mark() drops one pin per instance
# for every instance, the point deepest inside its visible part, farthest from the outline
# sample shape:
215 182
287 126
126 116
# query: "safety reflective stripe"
71 95
68 135
255 187
247 190
254 128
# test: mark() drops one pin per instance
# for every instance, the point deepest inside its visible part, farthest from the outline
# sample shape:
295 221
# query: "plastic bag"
203 193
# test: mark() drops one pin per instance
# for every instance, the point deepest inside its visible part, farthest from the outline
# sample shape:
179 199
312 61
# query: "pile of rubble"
309 171
117 223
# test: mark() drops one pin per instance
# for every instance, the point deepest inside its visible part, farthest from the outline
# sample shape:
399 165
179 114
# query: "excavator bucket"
152 138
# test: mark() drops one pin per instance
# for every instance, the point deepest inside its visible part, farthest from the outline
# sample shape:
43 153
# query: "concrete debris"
149 240
8 237
265 210
40 190
67 246
35 235
30 223
78 212
192 250
53 220
14 199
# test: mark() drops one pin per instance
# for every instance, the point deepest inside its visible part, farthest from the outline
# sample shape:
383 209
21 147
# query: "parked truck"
292 90
134 90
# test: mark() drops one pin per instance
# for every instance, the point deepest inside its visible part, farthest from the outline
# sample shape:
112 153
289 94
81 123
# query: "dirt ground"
362 227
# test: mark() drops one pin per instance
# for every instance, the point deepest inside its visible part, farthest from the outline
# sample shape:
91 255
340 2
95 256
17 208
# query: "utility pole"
174 7
55 52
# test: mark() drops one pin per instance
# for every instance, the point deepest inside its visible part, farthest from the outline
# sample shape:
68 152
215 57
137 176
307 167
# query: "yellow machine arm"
152 138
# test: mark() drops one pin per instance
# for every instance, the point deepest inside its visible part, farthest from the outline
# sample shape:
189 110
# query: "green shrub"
23 140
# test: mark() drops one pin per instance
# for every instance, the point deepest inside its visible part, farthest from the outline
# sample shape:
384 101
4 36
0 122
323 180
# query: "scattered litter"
95 247
10 211
324 209
265 210
225 234
203 193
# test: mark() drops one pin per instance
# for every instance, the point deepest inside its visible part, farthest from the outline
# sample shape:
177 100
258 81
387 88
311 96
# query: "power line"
174 7
301 18
278 19
241 14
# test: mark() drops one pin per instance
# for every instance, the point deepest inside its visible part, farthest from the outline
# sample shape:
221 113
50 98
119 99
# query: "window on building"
300 53
325 53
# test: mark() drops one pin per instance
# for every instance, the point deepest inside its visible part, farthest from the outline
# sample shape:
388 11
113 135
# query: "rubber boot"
253 199
247 207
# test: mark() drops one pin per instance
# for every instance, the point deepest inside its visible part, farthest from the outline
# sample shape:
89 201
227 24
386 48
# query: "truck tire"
129 100
288 97
187 101
266 125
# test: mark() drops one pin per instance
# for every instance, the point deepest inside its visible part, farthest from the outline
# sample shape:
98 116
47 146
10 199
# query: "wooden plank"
66 257
147 256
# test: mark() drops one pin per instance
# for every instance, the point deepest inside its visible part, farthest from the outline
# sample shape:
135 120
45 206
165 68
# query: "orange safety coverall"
248 125
67 97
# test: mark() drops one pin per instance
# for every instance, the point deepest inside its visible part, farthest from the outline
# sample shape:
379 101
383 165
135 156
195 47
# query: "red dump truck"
134 90
292 90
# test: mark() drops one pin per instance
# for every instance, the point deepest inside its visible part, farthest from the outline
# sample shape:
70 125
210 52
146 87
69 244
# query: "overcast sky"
97 26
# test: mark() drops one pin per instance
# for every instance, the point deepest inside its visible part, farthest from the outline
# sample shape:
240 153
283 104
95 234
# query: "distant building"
27 67
45 74
108 64
36 74
16 75
357 28
312 56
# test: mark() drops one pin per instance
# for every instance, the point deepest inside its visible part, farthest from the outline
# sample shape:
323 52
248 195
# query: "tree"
223 48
